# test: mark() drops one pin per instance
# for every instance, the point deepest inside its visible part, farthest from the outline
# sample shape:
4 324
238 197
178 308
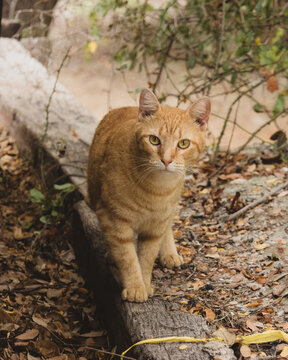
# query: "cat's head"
170 139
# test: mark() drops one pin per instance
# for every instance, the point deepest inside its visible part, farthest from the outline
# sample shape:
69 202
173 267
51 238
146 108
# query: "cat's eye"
183 144
154 140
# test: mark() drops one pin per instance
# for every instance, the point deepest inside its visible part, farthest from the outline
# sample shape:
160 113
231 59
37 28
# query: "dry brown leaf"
28 335
245 351
272 84
255 303
54 293
210 315
31 357
39 321
250 323
227 336
5 317
261 279
47 348
278 289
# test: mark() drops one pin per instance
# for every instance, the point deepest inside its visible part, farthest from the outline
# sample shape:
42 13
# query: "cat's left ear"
200 111
148 104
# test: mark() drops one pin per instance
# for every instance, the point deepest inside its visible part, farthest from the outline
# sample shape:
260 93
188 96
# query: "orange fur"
134 186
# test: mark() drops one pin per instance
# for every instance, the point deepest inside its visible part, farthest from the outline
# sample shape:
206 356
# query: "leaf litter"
235 273
46 312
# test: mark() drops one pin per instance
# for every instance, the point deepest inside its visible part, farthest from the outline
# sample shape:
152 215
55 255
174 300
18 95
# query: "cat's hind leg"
168 252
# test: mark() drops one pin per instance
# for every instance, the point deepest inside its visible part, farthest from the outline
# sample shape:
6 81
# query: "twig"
163 61
47 110
253 204
108 352
258 130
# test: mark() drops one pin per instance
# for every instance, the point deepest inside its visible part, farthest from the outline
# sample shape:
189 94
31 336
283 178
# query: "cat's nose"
166 162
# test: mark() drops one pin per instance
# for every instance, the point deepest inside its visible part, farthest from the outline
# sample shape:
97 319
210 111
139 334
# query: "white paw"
137 294
171 260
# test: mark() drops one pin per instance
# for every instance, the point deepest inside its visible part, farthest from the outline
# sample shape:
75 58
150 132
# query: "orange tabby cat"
136 171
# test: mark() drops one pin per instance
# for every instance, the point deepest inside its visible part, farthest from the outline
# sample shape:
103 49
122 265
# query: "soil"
46 311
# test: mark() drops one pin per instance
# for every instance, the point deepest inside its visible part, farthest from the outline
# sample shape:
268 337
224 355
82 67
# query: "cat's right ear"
148 104
200 111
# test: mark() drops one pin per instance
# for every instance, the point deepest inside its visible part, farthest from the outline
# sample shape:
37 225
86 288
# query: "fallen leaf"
261 279
39 321
227 336
259 247
183 347
272 84
254 303
271 181
28 335
47 348
245 351
54 293
31 357
284 352
210 315
278 289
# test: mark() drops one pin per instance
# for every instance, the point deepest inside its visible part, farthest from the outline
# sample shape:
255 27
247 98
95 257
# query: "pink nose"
166 162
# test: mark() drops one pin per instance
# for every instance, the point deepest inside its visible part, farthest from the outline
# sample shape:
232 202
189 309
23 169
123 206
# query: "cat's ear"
200 111
148 104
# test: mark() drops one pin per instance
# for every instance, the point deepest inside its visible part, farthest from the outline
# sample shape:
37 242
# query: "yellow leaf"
92 46
258 41
243 314
284 352
204 191
271 181
261 246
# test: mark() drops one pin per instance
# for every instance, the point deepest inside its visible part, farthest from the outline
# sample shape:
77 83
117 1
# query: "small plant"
53 206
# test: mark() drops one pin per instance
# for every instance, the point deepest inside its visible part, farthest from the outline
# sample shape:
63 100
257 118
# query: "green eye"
154 140
183 144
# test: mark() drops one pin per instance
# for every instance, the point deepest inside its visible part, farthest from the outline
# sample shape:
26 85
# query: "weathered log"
129 322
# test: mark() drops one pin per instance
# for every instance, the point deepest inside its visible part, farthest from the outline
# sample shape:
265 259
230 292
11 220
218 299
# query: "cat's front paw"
136 294
171 260
150 290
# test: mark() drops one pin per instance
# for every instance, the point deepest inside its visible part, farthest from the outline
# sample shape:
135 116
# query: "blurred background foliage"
242 43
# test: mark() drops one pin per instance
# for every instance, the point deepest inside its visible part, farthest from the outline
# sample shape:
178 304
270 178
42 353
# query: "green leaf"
44 219
234 78
242 50
279 105
122 67
36 196
54 213
258 108
225 66
191 62
65 188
